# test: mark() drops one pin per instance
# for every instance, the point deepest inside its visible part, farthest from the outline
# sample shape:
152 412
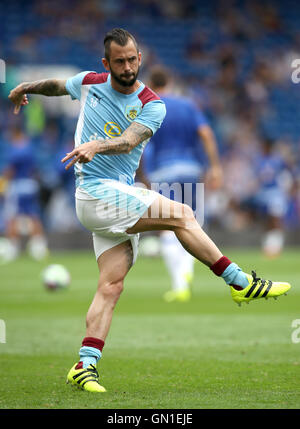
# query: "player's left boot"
259 288
85 378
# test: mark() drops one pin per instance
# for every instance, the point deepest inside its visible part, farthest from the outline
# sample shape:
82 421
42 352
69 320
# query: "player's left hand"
83 153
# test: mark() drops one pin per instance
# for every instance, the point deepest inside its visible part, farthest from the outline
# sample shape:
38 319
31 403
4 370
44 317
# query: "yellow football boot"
179 296
259 288
183 295
85 378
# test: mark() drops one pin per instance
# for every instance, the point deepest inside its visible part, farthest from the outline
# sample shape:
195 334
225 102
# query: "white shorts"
110 210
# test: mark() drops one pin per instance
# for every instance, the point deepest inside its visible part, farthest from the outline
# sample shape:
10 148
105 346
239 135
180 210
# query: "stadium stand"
232 57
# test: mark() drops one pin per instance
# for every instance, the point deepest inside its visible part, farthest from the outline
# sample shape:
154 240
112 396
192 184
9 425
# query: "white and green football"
55 277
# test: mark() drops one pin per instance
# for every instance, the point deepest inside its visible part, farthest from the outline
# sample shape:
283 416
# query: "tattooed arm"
49 87
131 137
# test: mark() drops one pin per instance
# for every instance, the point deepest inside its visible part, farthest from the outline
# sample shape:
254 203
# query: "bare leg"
37 227
37 244
12 231
273 238
177 217
14 243
113 265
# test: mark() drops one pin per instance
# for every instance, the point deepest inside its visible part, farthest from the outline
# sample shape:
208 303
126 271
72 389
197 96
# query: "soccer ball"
149 247
55 277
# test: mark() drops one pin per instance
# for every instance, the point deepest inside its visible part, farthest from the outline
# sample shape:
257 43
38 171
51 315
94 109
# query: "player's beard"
125 80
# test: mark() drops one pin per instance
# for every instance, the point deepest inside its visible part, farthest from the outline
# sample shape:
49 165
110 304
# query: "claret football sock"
230 272
90 352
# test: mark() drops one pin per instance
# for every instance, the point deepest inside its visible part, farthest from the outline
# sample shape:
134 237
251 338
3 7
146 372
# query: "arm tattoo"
49 87
132 136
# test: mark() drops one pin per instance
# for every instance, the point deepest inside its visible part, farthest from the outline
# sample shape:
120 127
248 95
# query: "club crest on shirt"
131 112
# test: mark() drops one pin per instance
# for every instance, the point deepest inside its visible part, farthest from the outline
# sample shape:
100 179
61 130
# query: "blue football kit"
270 198
22 196
173 155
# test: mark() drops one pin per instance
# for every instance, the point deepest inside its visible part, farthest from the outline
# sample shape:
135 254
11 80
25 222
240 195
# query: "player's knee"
187 216
188 212
111 291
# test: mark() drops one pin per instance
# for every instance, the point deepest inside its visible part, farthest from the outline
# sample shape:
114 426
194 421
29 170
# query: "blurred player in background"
270 198
21 199
171 157
118 115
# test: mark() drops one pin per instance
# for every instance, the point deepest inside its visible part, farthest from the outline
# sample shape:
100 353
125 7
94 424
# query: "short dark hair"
119 36
159 76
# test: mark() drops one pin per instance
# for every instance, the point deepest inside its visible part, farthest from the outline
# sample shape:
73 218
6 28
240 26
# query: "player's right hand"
83 153
19 99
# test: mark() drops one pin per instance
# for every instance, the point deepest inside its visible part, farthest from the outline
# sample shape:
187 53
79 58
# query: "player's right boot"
85 378
259 288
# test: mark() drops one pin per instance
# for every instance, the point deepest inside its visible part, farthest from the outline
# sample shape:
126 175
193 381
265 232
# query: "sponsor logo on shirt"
112 129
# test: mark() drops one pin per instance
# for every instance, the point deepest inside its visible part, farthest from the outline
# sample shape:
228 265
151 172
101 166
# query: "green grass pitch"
207 353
